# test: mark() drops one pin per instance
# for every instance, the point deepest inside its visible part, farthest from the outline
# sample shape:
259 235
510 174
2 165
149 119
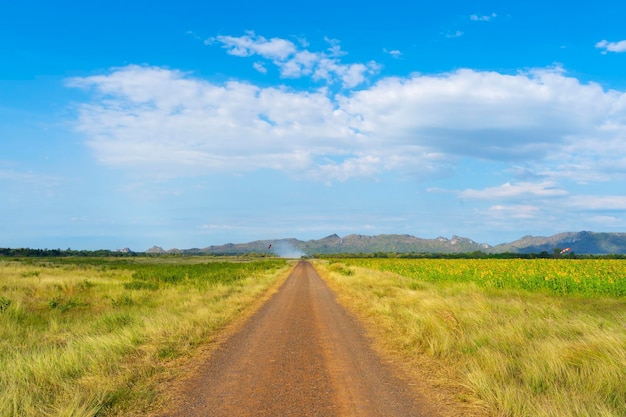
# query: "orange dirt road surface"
300 354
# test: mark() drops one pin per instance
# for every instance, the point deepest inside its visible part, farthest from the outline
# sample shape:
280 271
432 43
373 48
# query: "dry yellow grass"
74 341
507 352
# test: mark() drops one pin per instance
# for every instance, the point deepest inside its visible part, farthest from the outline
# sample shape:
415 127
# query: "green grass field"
87 337
506 337
97 337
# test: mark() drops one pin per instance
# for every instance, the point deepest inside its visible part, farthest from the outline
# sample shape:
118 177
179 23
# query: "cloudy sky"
191 123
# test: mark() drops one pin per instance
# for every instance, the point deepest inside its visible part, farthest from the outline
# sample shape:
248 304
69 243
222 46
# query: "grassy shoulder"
98 337
501 352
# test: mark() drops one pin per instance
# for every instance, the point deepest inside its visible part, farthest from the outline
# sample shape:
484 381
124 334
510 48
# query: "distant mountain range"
579 242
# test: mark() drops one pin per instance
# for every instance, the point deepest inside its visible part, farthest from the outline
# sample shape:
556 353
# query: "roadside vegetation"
95 336
510 337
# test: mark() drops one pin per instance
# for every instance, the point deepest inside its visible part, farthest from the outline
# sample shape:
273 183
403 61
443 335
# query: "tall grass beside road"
93 337
510 351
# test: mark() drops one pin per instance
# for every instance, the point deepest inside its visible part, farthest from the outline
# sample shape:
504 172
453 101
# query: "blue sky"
186 124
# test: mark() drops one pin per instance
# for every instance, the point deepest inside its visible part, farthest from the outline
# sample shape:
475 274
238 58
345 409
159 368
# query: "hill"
351 244
579 242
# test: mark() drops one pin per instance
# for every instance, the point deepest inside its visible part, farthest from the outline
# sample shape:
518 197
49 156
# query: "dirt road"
301 354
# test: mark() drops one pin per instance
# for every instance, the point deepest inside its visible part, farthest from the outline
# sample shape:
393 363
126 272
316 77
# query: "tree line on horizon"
53 253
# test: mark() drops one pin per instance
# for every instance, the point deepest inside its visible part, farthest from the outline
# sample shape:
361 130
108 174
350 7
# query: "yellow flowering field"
556 276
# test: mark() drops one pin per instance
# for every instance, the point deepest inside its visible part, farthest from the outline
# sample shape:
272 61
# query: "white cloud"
594 202
608 221
483 115
294 62
455 34
170 123
394 52
515 191
611 46
483 18
193 35
514 211
218 227
542 206
260 67
251 44
360 166
31 179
